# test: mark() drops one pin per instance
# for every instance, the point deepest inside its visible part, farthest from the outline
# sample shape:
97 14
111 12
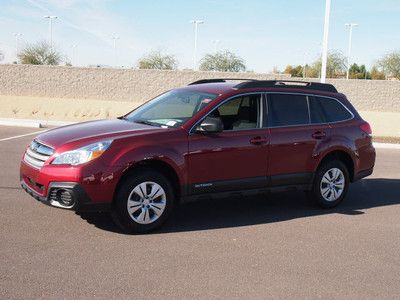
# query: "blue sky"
265 33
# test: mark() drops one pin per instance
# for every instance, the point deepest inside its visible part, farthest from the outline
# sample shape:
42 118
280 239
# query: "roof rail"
287 84
213 80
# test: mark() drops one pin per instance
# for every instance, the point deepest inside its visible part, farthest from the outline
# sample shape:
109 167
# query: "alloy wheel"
146 202
332 184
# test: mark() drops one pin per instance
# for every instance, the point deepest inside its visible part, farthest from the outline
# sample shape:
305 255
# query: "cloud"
88 17
40 6
91 24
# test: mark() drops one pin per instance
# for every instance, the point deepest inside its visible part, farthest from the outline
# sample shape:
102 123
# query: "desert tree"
294 71
390 64
359 72
335 67
40 53
377 74
223 61
159 61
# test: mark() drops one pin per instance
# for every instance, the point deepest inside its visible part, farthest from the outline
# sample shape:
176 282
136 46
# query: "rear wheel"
143 202
330 184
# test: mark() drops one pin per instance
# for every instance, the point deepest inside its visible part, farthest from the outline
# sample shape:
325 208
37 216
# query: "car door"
236 158
296 135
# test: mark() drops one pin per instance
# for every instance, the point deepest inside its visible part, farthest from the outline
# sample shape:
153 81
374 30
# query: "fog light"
65 197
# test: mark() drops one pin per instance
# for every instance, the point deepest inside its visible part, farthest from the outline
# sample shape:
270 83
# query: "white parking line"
22 135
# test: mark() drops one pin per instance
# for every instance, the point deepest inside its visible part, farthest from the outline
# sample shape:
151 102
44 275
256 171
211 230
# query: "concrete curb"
20 123
386 146
32 123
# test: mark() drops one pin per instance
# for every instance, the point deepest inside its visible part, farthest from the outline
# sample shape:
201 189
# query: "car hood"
93 131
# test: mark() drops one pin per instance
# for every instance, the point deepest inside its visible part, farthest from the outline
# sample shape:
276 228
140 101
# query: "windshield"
171 109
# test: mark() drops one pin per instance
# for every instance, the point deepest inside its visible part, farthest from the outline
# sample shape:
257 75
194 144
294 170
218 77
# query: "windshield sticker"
171 123
206 101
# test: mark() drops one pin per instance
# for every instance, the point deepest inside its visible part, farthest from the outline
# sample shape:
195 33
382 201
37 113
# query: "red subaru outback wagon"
211 138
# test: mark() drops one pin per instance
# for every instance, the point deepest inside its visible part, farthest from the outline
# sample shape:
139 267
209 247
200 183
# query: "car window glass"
239 113
230 108
171 109
333 110
316 113
176 106
287 110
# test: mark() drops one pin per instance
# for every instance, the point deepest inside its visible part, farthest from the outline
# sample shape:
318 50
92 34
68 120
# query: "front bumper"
77 195
85 186
81 201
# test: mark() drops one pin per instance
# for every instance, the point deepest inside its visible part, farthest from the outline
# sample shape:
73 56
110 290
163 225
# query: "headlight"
82 155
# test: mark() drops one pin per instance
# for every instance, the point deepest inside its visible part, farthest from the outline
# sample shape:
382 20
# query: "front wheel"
143 202
330 184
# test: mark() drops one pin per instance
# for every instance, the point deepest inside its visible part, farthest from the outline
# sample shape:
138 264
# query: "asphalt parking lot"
280 246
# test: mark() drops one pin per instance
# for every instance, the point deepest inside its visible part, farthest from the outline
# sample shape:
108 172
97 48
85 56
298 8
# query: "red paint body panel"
75 135
198 158
293 149
227 156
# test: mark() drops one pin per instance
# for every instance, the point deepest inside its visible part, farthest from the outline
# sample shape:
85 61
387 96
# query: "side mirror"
210 125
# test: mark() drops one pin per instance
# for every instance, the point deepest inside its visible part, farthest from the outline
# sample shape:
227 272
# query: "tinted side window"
286 110
333 110
316 112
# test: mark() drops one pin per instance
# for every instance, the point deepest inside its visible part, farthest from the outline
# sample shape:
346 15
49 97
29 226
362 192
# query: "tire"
331 183
146 213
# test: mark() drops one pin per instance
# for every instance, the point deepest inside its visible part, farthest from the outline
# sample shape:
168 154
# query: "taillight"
366 128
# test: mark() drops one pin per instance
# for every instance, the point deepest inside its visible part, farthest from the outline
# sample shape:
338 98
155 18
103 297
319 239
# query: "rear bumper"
362 174
366 161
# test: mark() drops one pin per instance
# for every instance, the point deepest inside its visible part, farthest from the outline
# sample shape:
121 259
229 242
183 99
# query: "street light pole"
51 18
115 38
325 40
196 24
350 25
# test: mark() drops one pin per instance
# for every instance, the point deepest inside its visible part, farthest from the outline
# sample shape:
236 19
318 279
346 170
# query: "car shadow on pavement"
243 211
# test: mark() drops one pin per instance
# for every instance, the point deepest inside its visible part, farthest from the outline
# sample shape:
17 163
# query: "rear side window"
287 110
332 110
317 114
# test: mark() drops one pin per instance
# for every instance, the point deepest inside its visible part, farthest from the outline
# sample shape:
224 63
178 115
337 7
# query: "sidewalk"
385 125
62 109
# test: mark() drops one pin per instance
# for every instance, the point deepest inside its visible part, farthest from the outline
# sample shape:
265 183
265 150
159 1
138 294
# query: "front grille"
37 154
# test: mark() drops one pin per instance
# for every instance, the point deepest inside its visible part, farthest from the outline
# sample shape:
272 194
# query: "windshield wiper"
146 122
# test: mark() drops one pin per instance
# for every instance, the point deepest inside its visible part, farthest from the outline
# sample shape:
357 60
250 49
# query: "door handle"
258 140
318 135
